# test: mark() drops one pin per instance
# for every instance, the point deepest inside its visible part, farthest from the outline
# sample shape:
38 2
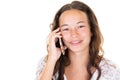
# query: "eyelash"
65 29
81 26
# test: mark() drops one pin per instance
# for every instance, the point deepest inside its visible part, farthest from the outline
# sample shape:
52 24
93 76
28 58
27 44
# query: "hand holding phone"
59 43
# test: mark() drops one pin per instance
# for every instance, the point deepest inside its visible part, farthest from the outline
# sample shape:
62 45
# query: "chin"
78 49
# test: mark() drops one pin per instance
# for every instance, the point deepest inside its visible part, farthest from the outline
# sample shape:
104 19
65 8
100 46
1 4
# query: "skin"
75 32
76 35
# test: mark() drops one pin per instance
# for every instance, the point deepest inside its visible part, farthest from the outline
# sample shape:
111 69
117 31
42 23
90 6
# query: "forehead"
73 14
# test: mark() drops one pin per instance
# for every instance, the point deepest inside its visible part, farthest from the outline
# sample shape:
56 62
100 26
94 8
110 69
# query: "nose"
74 33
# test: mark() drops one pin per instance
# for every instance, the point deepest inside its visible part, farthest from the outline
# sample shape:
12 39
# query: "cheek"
86 33
88 36
65 36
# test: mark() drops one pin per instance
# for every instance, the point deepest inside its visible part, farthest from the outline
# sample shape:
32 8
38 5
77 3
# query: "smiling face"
75 30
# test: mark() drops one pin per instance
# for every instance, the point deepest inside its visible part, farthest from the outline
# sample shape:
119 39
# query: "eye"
64 29
81 26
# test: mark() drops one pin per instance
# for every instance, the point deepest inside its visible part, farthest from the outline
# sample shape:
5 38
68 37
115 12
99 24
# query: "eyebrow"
80 22
67 24
64 25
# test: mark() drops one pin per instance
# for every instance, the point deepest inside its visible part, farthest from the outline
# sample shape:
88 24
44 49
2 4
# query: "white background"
24 26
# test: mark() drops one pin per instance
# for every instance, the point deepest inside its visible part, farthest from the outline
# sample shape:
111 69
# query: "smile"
76 43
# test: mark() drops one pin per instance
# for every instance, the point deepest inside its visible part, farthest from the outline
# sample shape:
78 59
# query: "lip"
76 43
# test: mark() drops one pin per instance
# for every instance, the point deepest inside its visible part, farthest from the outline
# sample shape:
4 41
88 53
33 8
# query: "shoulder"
109 70
42 61
40 66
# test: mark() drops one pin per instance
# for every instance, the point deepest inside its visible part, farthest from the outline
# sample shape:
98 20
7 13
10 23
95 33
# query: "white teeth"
75 42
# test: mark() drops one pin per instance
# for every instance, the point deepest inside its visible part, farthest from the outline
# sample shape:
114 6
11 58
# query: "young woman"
75 48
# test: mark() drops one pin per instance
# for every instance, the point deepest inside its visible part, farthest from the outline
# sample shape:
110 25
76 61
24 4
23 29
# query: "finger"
53 34
56 35
56 30
53 37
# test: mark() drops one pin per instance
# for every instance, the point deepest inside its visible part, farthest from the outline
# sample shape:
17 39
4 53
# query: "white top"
109 71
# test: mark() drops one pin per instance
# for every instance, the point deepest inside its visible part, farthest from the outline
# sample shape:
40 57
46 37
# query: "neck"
78 65
79 59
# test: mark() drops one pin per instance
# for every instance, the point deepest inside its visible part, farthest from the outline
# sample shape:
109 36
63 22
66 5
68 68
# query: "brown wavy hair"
95 46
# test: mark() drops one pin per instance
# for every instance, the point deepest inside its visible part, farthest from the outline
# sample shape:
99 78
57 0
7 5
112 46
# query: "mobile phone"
60 45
